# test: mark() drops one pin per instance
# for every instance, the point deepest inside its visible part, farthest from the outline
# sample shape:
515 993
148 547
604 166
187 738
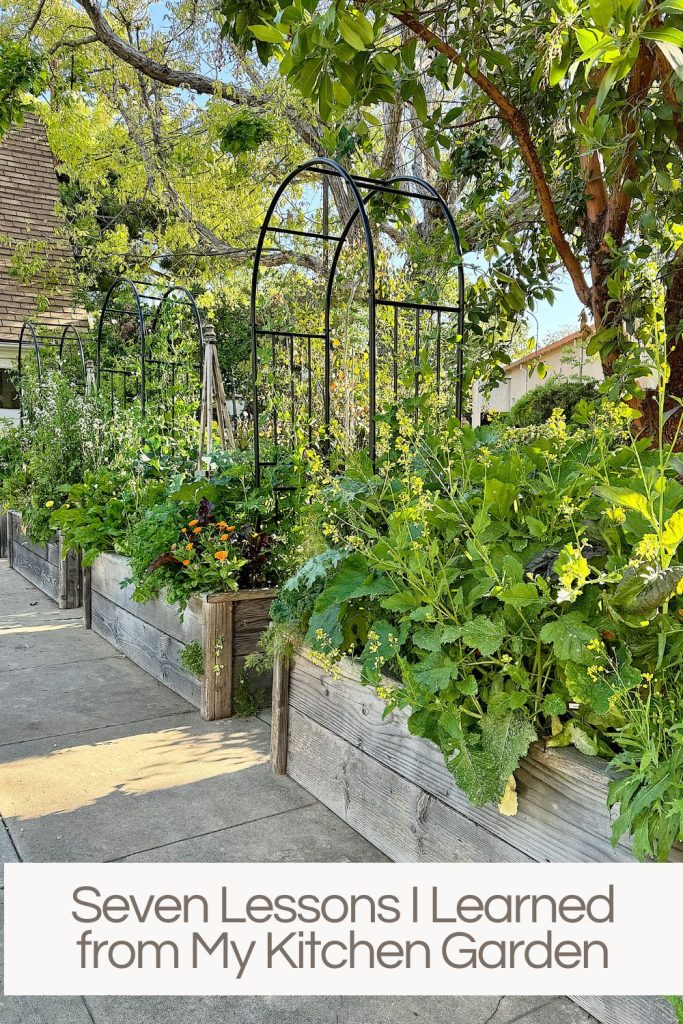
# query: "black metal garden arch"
362 189
142 302
58 338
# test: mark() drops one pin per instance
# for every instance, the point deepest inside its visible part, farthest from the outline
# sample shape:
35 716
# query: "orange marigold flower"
230 529
197 529
221 555
193 522
223 525
186 561
224 536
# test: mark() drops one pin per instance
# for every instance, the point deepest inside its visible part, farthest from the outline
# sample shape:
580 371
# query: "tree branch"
175 77
518 125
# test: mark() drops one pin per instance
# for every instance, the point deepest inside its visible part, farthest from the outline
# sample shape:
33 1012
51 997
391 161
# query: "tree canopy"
554 128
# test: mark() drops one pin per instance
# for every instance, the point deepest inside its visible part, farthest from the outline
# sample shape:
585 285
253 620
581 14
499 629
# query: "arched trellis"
155 305
58 338
362 189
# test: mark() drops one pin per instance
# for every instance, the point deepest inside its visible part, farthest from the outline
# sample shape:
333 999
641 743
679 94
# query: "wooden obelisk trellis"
214 404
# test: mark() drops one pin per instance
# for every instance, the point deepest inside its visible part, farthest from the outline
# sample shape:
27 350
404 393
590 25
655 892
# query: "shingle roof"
569 339
28 199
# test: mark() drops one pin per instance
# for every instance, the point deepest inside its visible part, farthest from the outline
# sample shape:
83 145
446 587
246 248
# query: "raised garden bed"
47 566
153 635
394 789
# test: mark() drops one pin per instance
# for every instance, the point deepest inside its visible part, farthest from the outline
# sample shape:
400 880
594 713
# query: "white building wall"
568 360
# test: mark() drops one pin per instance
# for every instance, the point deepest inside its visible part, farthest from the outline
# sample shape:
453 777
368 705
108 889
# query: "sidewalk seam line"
5 826
97 728
212 832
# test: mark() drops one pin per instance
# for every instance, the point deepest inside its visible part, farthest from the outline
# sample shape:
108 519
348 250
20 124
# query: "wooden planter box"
57 574
153 635
394 789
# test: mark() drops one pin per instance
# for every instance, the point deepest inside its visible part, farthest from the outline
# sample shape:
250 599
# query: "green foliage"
22 77
55 449
192 658
10 448
677 1003
98 515
244 132
536 407
246 700
479 577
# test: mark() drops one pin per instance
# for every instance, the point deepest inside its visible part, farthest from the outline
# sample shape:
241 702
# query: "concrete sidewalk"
99 762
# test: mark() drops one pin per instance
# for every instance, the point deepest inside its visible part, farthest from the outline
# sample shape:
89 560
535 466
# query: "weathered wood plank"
242 595
217 637
146 646
109 571
562 794
399 818
627 1009
3 533
87 597
251 619
279 727
42 574
70 589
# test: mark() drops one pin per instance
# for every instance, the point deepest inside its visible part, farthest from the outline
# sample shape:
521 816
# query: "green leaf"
507 738
519 595
348 578
569 636
383 644
594 693
626 499
668 34
499 496
350 32
419 101
267 33
435 672
601 12
672 535
428 638
483 634
553 704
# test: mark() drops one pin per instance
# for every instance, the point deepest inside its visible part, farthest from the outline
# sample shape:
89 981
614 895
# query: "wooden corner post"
280 716
217 641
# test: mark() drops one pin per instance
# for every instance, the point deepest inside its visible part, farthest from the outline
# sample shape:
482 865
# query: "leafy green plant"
677 1003
509 585
536 407
192 658
244 132
22 77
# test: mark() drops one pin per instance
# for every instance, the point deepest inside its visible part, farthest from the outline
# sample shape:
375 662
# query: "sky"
565 310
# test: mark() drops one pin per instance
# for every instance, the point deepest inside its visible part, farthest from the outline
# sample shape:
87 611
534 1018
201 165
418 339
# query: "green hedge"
536 407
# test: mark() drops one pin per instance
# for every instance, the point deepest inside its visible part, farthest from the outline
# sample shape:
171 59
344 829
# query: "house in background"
565 357
30 229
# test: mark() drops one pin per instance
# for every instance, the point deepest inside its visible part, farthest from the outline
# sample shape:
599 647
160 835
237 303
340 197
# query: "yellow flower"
221 555
49 504
188 547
